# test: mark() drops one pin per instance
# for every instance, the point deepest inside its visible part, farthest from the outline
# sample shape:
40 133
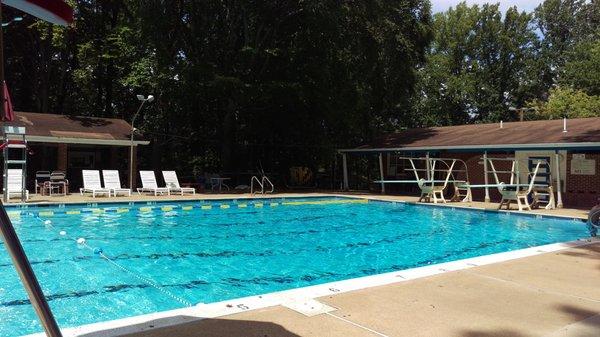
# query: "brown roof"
42 127
581 132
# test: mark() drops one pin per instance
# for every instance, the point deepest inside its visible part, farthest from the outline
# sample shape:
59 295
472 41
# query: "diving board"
514 190
432 188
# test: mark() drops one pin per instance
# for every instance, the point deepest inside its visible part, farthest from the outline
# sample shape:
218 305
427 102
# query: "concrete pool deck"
552 294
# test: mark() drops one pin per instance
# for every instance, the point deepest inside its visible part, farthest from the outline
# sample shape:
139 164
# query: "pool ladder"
262 183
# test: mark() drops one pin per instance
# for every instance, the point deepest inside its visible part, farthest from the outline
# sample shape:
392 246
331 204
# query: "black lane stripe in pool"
32 262
81 293
228 254
314 278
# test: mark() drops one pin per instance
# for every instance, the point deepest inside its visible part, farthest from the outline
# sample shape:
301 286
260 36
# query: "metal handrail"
266 180
262 183
262 187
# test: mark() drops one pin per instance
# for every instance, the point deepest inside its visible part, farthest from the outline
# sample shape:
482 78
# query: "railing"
266 180
255 178
261 183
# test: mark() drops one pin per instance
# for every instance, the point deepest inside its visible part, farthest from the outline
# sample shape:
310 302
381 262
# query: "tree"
563 24
582 68
237 83
478 65
567 102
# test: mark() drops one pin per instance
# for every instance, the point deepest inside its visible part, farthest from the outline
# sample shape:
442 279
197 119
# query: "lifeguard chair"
14 151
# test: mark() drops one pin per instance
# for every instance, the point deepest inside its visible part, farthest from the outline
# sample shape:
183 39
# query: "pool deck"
549 294
552 295
76 198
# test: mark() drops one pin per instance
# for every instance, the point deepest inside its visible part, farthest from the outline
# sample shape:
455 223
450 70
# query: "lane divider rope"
138 276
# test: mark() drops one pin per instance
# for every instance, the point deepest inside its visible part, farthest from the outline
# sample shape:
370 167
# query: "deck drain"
308 307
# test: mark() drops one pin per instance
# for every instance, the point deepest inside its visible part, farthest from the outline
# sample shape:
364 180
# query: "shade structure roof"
54 11
581 133
52 128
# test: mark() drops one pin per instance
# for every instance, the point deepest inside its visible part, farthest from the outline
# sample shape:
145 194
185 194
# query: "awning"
54 11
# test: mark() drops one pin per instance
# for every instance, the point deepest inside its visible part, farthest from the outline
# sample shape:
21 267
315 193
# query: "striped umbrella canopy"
9 114
54 11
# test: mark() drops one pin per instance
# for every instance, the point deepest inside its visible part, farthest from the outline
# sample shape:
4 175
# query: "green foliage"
283 83
582 69
286 83
567 102
478 65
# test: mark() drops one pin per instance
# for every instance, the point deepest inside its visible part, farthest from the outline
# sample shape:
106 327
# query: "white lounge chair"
14 183
112 182
172 183
91 183
149 184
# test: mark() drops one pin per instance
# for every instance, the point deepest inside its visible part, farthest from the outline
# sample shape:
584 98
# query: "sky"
526 5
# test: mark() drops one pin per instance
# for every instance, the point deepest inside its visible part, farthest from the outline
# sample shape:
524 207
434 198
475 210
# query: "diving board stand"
514 190
432 189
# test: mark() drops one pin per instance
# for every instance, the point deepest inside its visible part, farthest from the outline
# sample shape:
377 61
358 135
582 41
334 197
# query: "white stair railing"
255 179
261 183
266 180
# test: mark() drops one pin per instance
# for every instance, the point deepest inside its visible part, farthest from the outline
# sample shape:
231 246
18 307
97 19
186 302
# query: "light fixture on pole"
142 99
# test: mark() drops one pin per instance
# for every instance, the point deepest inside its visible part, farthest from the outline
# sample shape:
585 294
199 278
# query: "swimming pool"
143 258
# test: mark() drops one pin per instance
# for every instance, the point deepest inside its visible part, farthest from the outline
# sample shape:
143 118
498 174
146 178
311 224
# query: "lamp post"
143 99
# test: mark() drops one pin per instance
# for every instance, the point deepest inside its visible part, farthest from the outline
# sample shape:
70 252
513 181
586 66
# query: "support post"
345 170
132 167
62 156
485 176
24 172
5 173
559 202
428 166
381 173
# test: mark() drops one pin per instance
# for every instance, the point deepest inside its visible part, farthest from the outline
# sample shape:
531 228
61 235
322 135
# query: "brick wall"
582 191
476 173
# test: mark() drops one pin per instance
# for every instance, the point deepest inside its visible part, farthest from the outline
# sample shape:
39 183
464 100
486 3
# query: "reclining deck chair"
112 182
172 183
149 184
91 183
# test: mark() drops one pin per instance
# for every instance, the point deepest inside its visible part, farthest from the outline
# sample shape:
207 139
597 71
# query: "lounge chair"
14 183
172 183
91 183
112 182
149 184
41 177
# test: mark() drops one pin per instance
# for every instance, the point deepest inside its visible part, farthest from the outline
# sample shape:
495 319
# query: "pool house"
74 143
571 149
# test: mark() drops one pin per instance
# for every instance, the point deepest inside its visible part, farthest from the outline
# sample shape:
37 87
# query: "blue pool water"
212 251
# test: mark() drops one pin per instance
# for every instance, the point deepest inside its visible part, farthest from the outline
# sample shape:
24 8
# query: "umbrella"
54 11
9 114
